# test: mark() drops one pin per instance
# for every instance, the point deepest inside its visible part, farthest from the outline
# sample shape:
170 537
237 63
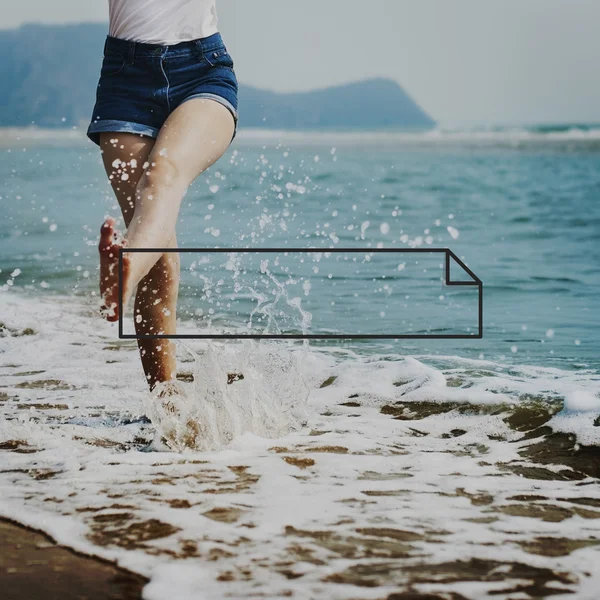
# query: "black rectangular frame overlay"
448 256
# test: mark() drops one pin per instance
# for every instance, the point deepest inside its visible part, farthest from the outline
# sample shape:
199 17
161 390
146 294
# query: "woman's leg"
155 311
124 161
194 137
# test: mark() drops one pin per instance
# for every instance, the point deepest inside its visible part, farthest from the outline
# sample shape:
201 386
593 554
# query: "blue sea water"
522 212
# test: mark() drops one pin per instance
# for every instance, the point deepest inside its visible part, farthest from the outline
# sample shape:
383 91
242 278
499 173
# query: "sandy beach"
390 491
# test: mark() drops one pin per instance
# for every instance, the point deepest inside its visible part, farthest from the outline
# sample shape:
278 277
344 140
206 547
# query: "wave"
514 136
552 132
43 332
487 136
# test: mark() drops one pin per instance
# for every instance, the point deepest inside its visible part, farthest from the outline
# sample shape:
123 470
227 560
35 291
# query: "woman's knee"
161 173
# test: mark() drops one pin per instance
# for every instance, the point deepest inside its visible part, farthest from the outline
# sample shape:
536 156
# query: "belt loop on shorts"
131 54
199 49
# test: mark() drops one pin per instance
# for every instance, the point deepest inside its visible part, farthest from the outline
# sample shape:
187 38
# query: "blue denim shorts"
142 84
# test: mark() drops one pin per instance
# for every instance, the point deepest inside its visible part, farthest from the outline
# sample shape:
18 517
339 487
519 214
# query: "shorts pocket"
112 64
219 58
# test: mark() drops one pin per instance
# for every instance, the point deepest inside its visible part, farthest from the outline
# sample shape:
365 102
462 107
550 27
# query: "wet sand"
33 566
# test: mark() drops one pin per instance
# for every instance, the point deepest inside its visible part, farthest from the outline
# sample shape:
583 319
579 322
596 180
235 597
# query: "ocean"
341 468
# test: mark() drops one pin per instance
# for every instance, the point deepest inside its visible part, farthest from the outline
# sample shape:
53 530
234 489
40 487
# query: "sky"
466 62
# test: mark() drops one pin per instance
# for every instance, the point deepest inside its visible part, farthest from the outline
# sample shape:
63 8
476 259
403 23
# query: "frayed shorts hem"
217 98
222 101
114 126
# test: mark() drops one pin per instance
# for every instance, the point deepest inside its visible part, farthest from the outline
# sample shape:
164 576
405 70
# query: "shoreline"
33 565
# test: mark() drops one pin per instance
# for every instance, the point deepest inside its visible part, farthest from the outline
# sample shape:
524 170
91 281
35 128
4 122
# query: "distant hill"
49 74
370 104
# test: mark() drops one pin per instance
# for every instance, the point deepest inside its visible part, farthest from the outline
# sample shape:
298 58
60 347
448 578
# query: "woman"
166 110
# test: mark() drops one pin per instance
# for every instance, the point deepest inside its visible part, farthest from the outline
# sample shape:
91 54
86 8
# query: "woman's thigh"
195 135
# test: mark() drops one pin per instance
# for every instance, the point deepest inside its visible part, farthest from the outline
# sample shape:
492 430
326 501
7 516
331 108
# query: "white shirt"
165 22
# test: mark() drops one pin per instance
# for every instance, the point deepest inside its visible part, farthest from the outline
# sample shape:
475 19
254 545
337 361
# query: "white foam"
582 425
237 388
367 469
193 582
582 401
579 417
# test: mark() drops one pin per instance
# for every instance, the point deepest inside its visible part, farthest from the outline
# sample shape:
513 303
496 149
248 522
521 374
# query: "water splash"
248 387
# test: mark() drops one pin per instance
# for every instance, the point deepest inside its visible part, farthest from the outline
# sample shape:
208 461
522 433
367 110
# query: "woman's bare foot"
109 271
170 414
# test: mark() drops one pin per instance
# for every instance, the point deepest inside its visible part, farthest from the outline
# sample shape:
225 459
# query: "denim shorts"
142 84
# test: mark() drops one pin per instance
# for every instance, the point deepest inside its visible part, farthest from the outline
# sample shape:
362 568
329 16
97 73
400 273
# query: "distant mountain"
49 74
370 104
